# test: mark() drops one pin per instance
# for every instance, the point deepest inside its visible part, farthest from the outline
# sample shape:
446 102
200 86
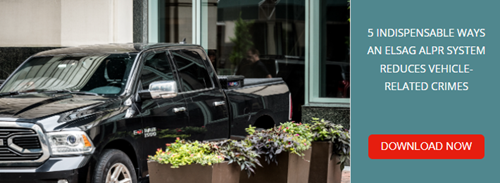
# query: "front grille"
8 154
5 132
27 142
23 140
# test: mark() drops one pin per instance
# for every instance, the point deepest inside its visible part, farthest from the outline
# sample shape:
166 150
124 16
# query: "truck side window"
156 68
192 70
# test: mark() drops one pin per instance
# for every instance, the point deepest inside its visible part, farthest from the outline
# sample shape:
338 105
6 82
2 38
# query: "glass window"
101 74
334 80
174 21
274 29
192 71
156 68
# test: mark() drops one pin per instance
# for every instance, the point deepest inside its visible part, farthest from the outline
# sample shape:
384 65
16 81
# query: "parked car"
95 113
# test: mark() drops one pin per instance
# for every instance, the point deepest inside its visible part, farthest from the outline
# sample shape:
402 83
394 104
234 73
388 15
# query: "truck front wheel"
114 166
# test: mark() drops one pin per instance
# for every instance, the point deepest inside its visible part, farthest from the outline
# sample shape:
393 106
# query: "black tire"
113 159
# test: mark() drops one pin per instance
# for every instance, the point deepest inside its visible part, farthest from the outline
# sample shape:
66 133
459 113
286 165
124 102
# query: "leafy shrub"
289 137
302 130
182 153
237 152
327 131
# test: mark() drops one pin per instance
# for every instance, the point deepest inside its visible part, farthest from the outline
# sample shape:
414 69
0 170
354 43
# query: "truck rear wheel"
114 166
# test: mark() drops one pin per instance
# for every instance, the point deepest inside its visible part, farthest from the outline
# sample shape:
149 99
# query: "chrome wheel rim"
118 173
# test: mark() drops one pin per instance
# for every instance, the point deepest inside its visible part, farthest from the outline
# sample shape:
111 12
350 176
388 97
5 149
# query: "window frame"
142 63
179 80
312 61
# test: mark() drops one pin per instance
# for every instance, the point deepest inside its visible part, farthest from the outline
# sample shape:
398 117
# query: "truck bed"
261 102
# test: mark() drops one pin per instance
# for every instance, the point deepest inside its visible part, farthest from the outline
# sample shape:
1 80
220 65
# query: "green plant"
250 130
182 153
289 137
237 152
302 130
327 131
242 40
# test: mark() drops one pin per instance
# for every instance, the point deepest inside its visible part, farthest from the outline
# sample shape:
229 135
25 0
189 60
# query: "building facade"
306 42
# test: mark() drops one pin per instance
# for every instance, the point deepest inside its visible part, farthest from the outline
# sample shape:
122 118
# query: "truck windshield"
102 74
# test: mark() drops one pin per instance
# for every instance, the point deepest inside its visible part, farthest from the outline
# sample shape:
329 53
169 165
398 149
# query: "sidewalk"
346 174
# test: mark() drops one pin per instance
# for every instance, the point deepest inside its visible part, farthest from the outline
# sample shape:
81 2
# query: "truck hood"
31 107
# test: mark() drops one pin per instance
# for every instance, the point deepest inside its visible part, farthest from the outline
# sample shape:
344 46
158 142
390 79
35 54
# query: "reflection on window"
156 68
335 62
97 74
275 28
193 73
174 20
277 31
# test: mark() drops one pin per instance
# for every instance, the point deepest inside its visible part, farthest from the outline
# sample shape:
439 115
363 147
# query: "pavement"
346 174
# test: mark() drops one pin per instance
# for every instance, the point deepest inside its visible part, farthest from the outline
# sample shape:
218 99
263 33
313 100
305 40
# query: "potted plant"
238 152
213 162
330 150
180 159
286 149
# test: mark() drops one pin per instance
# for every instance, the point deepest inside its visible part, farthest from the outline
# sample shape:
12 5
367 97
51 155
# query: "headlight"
69 143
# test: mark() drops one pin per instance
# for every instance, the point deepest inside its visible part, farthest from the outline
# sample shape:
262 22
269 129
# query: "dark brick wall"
12 57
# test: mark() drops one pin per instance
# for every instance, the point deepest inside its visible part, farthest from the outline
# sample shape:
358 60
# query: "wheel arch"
265 121
127 148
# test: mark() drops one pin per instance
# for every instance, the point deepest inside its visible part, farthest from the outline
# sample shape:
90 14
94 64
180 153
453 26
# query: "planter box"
323 169
194 173
291 168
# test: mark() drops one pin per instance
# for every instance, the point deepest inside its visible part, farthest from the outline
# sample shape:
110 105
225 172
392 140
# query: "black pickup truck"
95 113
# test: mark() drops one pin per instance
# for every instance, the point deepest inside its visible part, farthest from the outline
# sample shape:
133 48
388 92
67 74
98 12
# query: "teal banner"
425 67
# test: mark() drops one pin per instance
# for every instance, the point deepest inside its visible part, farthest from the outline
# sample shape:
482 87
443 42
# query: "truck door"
162 119
206 107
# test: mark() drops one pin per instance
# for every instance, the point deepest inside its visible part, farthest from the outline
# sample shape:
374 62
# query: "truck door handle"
219 103
179 109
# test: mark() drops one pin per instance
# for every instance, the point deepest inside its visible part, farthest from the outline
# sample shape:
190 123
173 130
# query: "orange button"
426 146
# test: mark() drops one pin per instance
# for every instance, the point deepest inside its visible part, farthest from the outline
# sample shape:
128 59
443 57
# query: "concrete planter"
323 169
291 168
194 173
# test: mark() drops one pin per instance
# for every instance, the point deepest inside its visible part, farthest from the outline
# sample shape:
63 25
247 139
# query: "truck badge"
149 132
137 132
1 142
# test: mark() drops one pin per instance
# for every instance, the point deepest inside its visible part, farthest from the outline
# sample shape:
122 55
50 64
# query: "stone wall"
333 114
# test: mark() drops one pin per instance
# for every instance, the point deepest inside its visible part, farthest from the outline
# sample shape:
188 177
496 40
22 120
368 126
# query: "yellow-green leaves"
182 153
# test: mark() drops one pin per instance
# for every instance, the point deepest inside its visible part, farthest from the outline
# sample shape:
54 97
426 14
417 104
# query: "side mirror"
163 89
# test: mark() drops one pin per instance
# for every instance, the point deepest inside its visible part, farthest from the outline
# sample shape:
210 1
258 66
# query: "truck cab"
95 113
